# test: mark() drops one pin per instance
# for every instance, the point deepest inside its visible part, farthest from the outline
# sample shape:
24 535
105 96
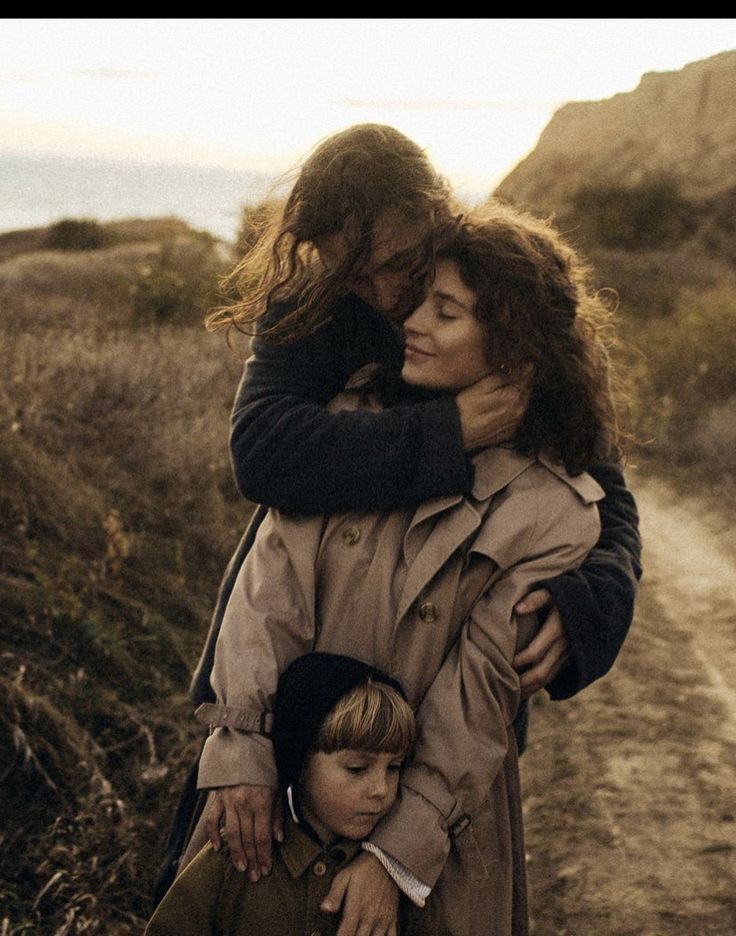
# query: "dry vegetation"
673 264
117 515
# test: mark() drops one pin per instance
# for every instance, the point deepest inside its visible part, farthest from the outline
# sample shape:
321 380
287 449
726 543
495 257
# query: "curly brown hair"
544 325
343 186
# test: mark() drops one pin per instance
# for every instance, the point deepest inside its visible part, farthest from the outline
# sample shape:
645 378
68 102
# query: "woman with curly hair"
430 593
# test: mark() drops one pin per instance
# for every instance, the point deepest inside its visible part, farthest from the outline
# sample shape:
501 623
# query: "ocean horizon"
36 190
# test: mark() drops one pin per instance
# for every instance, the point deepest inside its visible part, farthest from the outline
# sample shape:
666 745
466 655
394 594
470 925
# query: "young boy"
340 733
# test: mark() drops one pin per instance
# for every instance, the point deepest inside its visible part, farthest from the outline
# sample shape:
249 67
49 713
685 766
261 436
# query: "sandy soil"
630 789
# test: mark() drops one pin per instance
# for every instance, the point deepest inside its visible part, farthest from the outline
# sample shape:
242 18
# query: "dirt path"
631 789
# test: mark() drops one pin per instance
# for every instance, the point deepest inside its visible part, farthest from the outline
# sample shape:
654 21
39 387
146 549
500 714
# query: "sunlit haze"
258 93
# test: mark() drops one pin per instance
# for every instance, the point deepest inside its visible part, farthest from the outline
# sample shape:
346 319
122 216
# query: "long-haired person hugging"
430 594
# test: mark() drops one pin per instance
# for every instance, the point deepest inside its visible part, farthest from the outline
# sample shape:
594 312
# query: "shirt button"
428 612
351 535
320 868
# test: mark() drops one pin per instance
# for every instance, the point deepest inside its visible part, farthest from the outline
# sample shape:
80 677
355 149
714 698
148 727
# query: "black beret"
307 692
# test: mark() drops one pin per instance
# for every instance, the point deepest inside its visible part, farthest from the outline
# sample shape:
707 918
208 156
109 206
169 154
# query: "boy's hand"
490 411
548 653
368 896
252 819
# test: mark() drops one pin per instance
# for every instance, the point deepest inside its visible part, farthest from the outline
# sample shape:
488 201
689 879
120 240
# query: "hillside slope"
679 123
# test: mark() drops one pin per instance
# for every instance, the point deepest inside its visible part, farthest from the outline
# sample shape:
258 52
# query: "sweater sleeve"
596 602
289 452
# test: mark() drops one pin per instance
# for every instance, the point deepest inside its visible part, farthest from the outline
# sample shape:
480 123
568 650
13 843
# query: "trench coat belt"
232 716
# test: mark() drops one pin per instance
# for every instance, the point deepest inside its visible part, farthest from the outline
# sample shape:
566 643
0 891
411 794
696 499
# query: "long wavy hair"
343 186
545 326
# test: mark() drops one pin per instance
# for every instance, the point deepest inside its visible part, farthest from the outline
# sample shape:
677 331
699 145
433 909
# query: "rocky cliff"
681 124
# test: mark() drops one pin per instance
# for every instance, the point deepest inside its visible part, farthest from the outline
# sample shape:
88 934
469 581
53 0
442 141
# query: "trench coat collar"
454 519
507 537
299 849
497 466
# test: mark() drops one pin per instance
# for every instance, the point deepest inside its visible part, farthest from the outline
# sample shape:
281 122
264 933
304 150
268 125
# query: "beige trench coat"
427 595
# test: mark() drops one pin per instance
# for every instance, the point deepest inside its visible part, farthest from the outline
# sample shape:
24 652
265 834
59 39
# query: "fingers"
248 827
333 900
488 384
544 658
213 819
262 841
548 652
368 896
277 827
533 602
234 836
491 410
536 678
549 632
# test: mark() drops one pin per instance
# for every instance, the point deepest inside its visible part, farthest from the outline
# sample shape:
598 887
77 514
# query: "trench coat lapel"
453 520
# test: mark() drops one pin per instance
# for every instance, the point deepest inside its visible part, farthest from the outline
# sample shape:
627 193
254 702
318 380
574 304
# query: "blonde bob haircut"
371 717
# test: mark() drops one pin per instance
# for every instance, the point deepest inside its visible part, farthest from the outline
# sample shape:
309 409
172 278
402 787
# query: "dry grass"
685 367
117 515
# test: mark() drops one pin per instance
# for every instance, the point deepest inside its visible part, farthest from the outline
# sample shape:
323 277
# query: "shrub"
71 234
144 230
686 366
650 215
178 283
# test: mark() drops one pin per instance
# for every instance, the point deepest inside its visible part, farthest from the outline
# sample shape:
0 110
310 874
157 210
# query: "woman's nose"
415 321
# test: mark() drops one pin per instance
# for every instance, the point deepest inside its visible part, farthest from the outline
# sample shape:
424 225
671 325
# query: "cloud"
445 105
124 74
114 74
418 105
18 76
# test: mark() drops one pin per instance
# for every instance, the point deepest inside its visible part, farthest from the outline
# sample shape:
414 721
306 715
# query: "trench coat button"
320 868
428 612
351 535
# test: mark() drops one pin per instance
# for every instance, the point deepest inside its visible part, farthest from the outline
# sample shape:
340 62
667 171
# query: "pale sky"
258 93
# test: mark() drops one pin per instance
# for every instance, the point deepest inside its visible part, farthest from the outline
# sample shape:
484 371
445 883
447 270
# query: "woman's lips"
411 350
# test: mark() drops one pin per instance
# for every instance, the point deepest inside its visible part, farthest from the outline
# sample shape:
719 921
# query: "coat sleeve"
596 601
289 452
268 622
465 717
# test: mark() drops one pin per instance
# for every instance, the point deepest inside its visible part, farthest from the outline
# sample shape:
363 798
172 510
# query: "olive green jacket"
211 898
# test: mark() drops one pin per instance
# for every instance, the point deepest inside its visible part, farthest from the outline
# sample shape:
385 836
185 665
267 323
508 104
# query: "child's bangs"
372 717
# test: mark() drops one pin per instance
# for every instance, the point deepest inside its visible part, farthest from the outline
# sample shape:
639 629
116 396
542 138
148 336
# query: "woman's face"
445 342
386 281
